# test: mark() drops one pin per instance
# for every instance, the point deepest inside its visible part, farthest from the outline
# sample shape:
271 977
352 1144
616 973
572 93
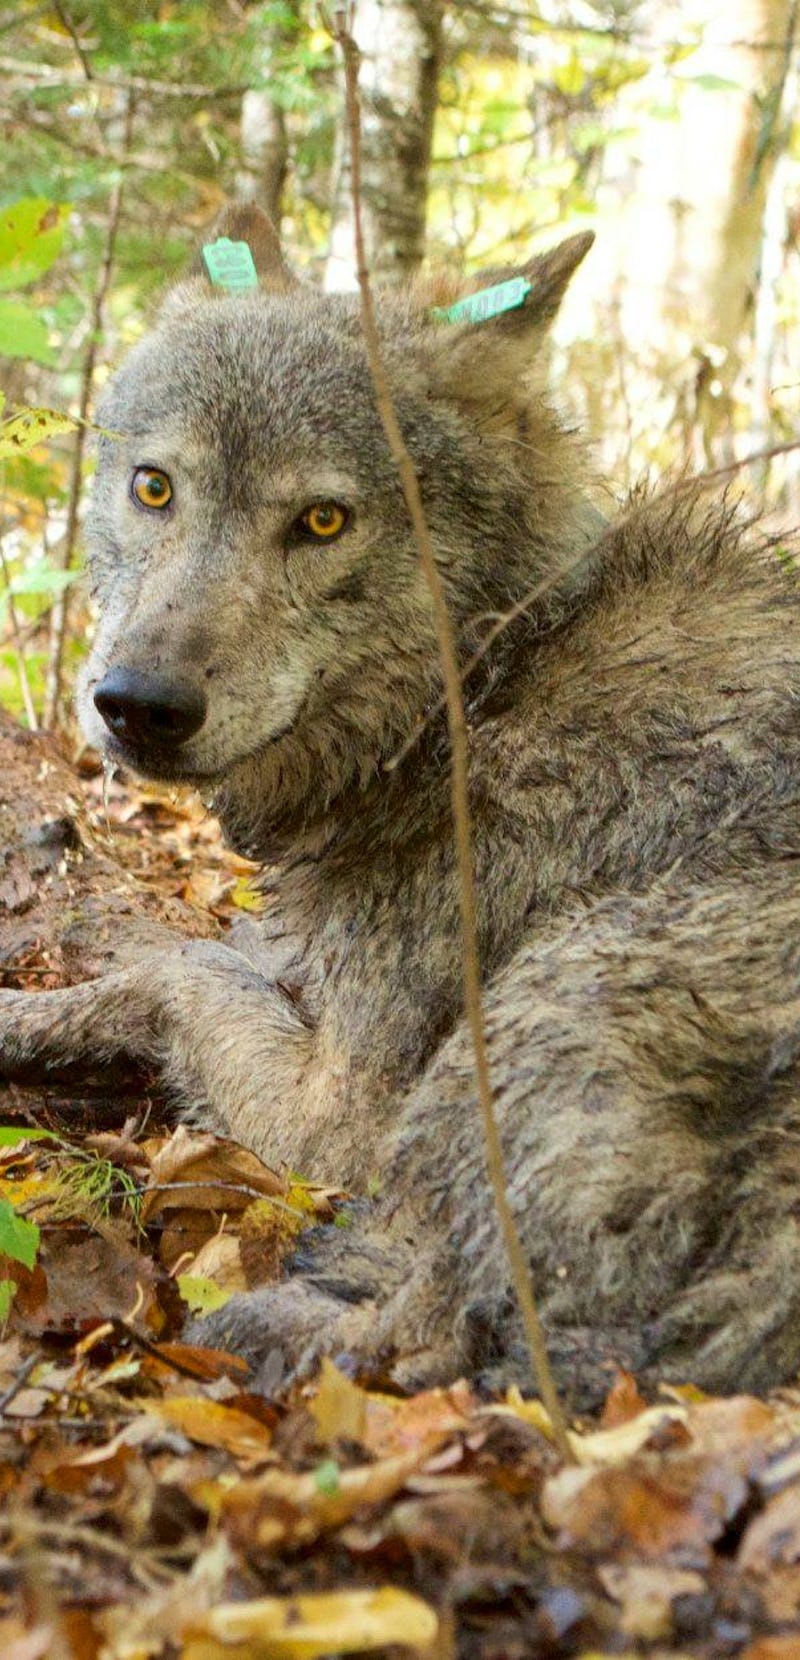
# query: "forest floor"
155 1508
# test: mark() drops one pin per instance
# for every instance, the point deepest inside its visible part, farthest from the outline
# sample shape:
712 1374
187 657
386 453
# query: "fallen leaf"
212 1424
773 1537
772 1648
397 1425
93 1281
280 1506
623 1402
219 1260
647 1594
206 1172
201 1363
201 1295
339 1407
311 1626
646 1509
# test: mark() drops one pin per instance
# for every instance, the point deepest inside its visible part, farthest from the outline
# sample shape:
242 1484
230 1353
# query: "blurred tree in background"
671 126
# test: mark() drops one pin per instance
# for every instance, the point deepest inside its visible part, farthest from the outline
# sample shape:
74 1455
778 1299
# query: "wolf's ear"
485 354
239 222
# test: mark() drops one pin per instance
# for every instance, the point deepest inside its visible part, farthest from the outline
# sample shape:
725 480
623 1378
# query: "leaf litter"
157 1506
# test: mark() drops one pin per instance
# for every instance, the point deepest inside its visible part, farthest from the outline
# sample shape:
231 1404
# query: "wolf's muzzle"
147 711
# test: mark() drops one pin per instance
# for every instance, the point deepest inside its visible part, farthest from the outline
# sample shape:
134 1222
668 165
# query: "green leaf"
31 233
712 83
43 580
202 1295
7 1293
18 1239
11 1137
22 333
326 1477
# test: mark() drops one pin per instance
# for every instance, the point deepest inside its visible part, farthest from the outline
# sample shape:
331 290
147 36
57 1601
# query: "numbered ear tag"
230 264
487 303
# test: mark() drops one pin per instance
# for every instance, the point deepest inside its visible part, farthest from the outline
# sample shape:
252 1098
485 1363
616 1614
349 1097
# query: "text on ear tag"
230 264
488 302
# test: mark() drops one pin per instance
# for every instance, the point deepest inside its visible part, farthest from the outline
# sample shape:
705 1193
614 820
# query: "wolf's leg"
225 1041
648 1094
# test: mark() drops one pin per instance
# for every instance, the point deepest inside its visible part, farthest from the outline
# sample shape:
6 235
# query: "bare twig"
49 75
459 769
60 611
63 15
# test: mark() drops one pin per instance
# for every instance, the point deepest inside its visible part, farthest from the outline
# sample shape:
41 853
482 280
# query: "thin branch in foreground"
456 718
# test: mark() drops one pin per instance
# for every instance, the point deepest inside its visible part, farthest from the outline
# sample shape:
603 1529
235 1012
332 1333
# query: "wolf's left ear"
239 222
489 336
243 222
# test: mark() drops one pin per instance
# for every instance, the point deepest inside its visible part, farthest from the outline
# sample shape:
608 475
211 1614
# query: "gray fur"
635 771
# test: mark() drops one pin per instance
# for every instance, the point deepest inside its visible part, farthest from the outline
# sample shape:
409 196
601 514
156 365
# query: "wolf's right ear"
239 222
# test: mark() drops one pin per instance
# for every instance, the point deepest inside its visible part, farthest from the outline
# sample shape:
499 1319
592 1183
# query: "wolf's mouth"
163 765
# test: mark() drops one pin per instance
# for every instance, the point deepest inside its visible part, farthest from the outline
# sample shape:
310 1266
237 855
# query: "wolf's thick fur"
635 768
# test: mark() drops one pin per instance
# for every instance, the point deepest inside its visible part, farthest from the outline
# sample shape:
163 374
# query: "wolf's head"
265 630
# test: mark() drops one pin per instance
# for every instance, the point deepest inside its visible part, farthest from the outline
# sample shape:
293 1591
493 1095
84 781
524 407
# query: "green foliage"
8 1290
10 1136
31 233
19 1239
201 1294
91 1187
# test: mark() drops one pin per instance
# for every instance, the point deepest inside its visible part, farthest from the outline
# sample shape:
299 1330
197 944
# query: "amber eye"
323 520
151 487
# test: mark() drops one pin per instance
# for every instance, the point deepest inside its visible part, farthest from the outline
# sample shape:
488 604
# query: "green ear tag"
230 264
487 303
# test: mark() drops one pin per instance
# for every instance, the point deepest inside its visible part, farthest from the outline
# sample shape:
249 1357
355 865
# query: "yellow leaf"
245 897
279 1506
202 1295
211 1424
603 1446
305 1627
339 1407
31 427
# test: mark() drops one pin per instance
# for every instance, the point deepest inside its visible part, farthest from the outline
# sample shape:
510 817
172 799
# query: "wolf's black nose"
149 709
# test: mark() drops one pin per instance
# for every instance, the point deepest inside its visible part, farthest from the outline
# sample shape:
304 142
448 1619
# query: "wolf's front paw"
282 1331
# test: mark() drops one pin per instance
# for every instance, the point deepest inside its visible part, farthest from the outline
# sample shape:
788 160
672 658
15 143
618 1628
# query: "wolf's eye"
151 487
323 521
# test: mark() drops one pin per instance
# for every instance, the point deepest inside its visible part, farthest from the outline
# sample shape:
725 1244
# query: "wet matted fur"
634 775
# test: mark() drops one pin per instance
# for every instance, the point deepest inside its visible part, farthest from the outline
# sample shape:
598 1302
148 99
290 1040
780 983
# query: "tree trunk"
682 218
263 135
400 42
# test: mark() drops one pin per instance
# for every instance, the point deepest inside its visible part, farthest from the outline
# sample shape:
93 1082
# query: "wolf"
632 684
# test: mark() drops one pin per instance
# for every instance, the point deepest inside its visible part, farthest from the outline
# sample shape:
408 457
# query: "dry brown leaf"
203 1364
647 1594
773 1648
220 1260
312 1626
396 1425
220 1175
212 1424
623 1402
339 1407
281 1507
773 1537
647 1509
92 1281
